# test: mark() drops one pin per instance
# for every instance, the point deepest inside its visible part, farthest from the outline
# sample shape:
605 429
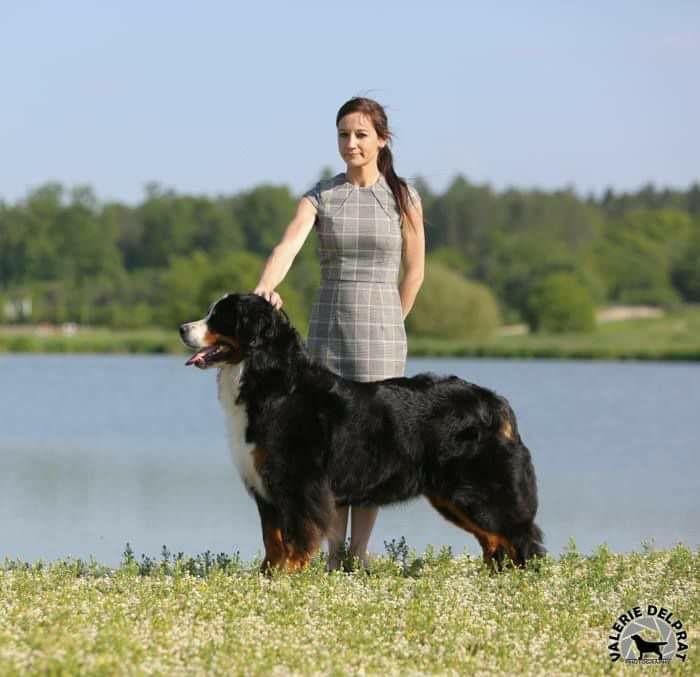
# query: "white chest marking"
229 380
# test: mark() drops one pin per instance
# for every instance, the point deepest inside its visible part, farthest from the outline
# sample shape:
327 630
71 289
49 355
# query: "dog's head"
235 324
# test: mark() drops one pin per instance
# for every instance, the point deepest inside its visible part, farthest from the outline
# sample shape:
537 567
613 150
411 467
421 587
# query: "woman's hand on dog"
269 295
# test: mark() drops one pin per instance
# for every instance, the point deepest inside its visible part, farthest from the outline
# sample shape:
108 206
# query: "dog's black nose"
183 330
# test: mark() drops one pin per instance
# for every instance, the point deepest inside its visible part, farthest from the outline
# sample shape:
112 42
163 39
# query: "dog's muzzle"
210 347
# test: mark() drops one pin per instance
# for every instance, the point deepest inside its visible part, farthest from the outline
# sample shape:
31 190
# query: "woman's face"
358 142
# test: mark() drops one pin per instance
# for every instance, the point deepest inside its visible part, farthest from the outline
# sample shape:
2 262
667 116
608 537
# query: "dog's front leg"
303 542
307 515
275 549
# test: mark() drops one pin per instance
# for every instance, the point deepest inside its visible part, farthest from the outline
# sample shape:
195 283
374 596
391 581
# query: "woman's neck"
362 176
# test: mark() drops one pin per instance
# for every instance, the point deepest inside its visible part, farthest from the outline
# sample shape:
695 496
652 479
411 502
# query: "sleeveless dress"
356 328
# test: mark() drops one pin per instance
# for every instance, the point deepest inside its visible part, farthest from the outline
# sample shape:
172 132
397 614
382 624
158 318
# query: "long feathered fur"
324 441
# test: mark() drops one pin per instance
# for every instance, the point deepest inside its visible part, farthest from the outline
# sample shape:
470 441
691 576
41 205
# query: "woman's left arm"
413 257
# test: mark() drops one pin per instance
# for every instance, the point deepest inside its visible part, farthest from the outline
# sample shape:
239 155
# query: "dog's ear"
256 320
224 313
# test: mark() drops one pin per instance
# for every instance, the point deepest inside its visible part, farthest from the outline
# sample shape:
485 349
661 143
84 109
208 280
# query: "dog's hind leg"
494 497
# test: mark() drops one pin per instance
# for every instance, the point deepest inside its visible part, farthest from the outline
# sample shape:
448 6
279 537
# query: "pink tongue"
199 356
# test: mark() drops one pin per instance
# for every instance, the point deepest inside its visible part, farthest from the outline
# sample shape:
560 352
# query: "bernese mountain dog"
306 440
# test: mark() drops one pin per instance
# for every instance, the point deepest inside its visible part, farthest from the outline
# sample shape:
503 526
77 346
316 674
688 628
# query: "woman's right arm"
282 256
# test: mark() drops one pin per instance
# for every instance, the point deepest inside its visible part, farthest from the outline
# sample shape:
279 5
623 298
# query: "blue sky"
215 97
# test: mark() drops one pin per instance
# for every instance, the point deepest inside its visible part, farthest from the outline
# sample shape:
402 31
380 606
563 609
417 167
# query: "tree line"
546 258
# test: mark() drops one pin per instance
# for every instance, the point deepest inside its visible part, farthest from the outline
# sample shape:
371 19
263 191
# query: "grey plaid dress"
356 328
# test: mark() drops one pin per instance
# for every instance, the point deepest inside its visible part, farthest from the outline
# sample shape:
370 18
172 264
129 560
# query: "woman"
369 221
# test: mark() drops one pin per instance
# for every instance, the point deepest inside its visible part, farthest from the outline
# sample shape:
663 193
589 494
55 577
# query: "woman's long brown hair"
385 161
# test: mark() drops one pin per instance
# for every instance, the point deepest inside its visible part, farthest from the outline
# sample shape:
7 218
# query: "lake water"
96 451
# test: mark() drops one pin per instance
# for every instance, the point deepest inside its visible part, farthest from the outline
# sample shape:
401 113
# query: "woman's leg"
363 520
336 536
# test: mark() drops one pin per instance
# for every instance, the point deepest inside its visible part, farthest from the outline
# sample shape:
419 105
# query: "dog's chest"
229 380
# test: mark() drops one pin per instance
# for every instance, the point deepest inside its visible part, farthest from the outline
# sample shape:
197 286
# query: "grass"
409 615
675 336
92 340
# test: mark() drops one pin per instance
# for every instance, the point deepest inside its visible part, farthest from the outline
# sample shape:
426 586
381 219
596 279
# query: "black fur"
332 441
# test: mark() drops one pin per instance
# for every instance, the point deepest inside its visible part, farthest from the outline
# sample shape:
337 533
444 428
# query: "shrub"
559 303
452 307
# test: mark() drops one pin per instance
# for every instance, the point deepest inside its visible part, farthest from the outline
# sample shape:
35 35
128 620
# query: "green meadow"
434 614
674 336
97 340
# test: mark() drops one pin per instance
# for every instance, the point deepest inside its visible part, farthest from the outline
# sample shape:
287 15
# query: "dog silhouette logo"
650 634
643 646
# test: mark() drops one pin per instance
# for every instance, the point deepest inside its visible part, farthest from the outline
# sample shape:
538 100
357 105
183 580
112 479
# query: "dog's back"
452 441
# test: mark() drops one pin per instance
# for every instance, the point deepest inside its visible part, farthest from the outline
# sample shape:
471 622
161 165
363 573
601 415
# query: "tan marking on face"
210 338
275 550
298 559
489 541
507 430
282 555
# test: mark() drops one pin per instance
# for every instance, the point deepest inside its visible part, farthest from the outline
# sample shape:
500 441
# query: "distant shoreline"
645 335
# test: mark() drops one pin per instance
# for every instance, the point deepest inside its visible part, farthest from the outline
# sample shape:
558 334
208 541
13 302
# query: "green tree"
461 218
169 228
126 224
514 263
34 219
685 272
264 213
82 247
637 252
181 290
191 284
452 259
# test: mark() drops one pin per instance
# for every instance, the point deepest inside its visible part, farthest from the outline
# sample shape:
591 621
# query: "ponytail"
399 187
